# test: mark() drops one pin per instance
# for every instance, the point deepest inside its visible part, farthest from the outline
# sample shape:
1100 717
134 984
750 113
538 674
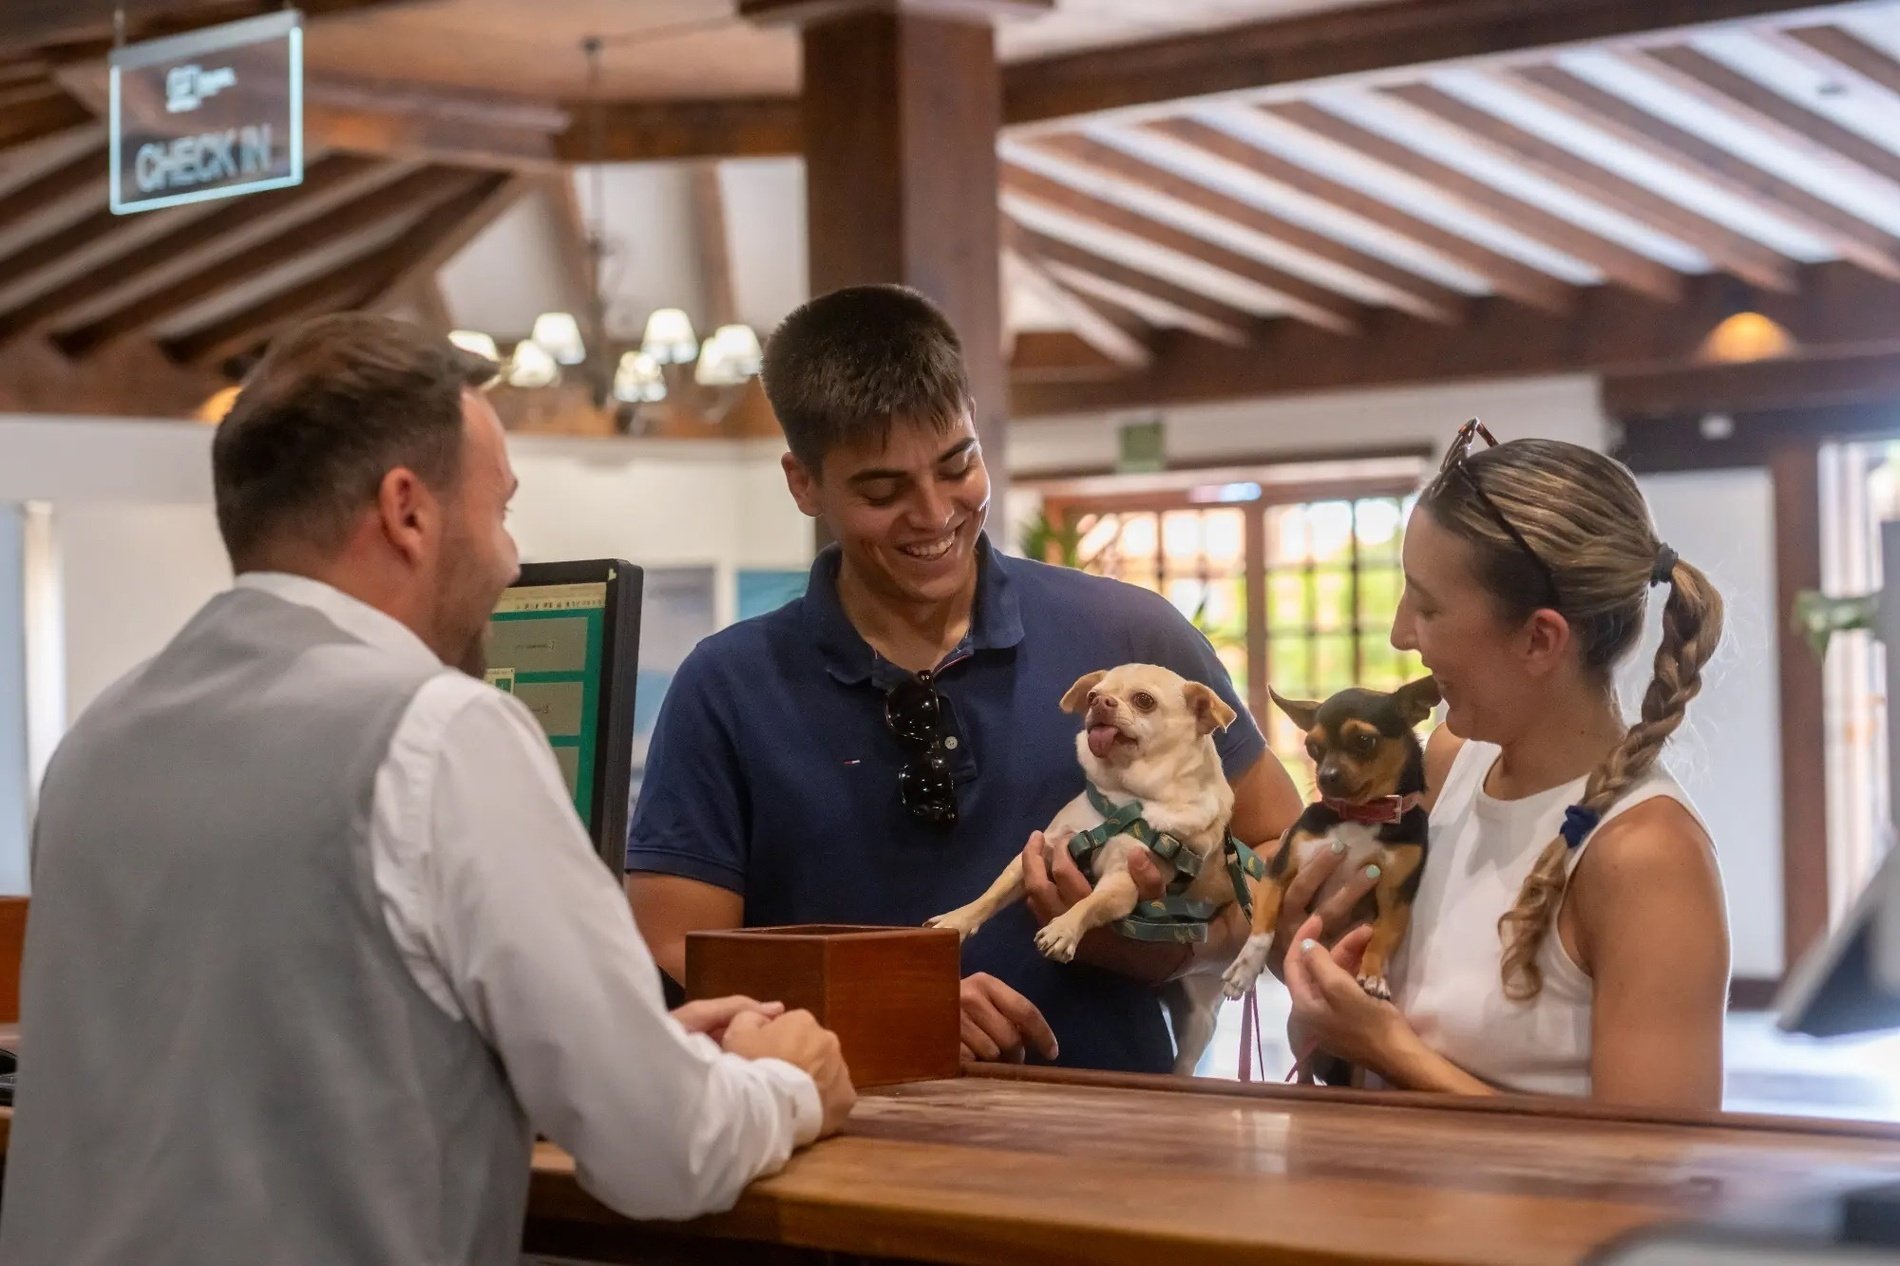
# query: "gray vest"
225 1059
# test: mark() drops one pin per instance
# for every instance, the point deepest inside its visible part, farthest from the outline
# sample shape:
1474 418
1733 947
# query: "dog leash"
1250 1043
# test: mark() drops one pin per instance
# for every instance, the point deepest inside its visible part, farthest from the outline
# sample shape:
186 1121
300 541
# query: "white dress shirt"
505 916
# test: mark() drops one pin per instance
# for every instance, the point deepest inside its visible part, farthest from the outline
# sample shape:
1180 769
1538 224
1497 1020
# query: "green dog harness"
1176 917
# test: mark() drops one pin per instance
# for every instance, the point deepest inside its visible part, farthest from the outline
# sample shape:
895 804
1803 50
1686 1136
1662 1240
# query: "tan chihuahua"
1147 749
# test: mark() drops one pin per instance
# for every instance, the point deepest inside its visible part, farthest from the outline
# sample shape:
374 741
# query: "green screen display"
546 644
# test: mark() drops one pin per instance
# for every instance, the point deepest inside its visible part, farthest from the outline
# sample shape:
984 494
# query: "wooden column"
901 107
1794 466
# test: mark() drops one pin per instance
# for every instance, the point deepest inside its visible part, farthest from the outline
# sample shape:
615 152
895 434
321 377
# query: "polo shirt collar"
996 623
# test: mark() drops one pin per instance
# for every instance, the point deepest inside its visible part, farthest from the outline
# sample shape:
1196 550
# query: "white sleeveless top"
1446 977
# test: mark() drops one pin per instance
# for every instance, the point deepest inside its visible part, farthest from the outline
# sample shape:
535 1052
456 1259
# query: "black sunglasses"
914 713
1455 458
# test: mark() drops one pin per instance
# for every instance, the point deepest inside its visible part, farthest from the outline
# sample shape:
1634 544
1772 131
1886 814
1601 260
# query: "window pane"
1332 598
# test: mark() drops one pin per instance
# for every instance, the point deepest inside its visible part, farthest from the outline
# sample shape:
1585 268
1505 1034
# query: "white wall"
14 797
1728 753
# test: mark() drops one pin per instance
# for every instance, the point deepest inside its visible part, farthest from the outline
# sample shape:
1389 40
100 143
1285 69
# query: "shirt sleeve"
537 942
692 816
1168 638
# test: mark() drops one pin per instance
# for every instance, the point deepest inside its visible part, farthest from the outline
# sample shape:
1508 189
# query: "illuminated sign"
211 114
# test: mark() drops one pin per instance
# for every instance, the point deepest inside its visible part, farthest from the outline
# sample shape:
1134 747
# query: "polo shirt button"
950 742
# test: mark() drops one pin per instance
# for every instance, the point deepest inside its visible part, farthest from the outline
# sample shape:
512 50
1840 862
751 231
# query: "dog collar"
1376 812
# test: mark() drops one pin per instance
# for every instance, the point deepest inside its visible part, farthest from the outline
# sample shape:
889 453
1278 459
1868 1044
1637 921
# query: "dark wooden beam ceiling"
1726 248
1619 263
1412 292
1505 274
1354 41
1838 309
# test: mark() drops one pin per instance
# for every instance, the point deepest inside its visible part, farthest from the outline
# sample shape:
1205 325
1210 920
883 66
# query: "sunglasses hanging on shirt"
914 714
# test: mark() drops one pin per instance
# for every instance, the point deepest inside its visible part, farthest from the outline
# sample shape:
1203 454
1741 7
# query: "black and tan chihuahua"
1371 785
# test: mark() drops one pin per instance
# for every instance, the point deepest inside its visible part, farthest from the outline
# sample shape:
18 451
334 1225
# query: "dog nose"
1331 778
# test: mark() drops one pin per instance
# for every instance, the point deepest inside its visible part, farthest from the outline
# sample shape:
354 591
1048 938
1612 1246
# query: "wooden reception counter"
1050 1167
1007 1166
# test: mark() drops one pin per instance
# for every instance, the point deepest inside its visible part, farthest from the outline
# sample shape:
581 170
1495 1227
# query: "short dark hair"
843 367
332 408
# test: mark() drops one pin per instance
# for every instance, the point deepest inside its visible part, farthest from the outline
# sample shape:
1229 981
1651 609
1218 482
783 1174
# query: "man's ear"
1078 696
407 512
1304 712
1417 699
803 485
1210 710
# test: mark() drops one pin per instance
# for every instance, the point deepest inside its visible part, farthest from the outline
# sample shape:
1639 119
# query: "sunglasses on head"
914 714
1455 460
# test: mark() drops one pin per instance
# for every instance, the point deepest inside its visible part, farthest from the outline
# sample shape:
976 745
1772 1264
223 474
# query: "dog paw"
1376 987
957 921
1057 942
1241 974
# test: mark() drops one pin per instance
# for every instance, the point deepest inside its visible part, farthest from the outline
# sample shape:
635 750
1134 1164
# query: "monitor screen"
564 640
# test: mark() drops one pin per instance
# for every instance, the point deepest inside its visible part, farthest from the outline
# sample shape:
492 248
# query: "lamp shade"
560 335
638 379
532 366
730 356
670 339
476 342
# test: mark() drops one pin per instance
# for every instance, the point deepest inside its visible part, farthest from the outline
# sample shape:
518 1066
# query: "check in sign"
211 114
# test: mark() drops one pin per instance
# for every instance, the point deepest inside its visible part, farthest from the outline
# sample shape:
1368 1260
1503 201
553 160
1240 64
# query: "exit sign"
211 114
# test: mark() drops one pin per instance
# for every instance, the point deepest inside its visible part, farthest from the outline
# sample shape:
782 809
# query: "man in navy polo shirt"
875 751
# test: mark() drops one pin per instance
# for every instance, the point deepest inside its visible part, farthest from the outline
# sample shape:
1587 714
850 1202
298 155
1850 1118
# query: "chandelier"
670 364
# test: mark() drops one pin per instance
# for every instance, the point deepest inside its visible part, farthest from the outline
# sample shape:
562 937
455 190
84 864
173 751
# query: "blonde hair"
1585 517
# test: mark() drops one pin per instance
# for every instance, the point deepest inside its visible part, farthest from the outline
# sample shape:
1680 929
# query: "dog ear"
1078 695
1417 699
1210 710
1303 711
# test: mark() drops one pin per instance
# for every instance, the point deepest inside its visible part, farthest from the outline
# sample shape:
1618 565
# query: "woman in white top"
1568 935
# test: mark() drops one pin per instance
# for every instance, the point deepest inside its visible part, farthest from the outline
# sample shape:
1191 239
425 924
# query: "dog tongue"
1102 739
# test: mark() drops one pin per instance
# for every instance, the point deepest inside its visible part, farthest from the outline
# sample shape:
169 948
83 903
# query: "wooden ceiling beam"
1618 263
1217 319
201 229
1853 238
1110 334
365 215
1059 356
1304 299
1771 114
81 174
1505 274
1839 309
45 116
1410 291
1353 42
370 281
29 25
1726 248
658 131
1844 48
1802 382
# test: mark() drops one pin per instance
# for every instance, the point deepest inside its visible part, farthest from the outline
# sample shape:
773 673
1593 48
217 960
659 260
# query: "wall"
14 798
1728 754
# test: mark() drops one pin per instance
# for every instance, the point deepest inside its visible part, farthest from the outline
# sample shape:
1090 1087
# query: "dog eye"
1144 701
1366 742
1312 749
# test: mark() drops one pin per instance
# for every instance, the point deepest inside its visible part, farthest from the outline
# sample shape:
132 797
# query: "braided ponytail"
1692 626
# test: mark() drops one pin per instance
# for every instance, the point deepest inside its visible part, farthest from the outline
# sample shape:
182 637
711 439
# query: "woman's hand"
1324 891
1052 883
1331 1012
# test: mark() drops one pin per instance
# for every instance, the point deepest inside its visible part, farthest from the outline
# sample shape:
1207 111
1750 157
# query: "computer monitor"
565 640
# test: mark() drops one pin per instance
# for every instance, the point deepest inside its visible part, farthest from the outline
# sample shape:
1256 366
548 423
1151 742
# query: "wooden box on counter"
890 994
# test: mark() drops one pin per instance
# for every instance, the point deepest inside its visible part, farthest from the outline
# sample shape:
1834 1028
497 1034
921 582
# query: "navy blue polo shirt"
771 774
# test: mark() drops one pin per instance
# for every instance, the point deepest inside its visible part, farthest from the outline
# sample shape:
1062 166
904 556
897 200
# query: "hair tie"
1579 821
1665 570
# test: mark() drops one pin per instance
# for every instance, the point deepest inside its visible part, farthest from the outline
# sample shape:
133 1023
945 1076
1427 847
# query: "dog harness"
1176 917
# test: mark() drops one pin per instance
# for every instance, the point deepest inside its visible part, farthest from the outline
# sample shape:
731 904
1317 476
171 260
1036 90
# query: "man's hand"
999 1024
1337 893
1052 883
802 1042
711 1015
